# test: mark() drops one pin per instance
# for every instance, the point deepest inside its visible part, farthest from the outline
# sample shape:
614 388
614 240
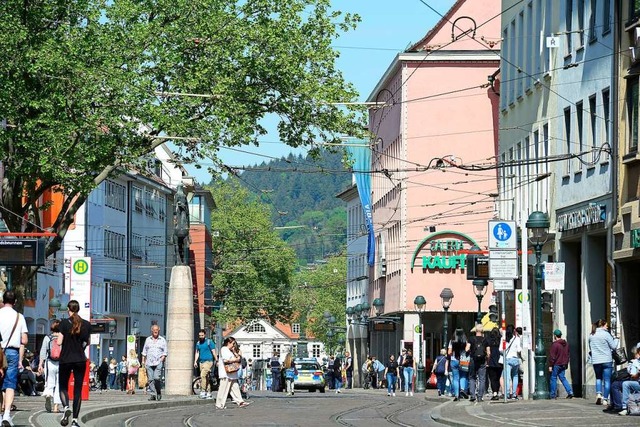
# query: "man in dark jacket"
558 363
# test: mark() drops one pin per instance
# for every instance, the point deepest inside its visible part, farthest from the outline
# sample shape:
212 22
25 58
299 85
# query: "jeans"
558 372
454 367
391 382
338 382
289 385
629 387
441 384
615 400
112 381
154 374
603 378
513 366
408 379
478 381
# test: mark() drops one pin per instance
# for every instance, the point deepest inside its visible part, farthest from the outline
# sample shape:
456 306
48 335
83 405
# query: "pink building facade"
437 114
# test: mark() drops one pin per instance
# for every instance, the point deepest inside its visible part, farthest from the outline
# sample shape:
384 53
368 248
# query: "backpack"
479 350
290 373
440 365
633 404
54 348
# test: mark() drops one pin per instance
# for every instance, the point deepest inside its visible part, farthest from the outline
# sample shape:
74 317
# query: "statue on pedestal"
181 238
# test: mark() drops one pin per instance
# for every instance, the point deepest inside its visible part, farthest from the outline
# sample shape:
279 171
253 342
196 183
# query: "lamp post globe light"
480 289
54 306
446 296
378 306
419 303
538 227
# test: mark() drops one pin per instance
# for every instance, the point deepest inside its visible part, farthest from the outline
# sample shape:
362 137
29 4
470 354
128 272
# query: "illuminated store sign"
441 252
592 214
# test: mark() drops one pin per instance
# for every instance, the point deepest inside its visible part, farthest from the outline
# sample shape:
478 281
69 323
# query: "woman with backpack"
49 367
441 370
74 337
458 356
494 367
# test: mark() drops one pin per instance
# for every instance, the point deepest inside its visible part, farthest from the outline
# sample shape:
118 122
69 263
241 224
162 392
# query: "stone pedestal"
180 338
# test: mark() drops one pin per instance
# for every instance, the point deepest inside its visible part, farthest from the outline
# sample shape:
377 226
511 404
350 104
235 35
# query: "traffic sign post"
502 235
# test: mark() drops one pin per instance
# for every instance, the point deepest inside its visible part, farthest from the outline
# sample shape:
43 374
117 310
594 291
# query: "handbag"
232 367
465 360
3 359
433 381
619 356
621 375
142 378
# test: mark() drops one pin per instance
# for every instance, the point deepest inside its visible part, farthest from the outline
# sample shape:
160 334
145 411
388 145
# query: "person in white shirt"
512 365
228 366
14 333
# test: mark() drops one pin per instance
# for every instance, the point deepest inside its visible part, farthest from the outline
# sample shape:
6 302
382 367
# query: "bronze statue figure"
181 238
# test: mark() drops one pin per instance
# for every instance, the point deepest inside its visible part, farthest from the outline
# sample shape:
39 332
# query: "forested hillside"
302 194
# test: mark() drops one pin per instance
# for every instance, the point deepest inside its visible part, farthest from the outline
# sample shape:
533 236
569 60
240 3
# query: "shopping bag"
433 381
142 377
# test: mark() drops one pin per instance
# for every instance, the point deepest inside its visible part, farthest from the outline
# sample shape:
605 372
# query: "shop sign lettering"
592 214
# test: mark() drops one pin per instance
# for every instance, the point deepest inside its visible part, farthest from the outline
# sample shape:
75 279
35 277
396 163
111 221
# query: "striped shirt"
601 344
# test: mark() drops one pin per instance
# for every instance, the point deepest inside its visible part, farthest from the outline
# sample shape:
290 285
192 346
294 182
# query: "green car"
310 375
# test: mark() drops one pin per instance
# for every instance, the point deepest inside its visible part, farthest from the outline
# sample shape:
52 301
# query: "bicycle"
196 385
368 378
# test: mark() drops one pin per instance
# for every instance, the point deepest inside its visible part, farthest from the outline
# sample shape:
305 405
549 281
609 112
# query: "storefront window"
632 108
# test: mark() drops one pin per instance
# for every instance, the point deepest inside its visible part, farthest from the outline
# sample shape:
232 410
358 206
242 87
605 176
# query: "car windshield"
307 367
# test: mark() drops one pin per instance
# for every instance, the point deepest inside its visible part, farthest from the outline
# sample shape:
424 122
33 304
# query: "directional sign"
503 268
503 285
502 235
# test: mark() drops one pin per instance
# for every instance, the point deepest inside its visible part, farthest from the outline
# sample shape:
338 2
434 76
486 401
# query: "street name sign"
503 285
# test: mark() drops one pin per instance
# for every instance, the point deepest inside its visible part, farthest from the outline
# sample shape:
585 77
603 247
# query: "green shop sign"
441 252
635 238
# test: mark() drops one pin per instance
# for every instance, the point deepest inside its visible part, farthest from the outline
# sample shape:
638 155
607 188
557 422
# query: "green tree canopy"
253 267
90 86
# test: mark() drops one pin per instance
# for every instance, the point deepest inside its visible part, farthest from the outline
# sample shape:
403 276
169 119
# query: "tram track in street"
348 417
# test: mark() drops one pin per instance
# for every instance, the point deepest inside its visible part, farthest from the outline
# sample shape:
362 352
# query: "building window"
136 195
592 21
114 195
276 349
256 351
632 108
114 245
567 137
137 246
581 22
579 128
295 328
315 350
593 121
150 203
162 208
634 9
568 24
606 100
31 288
255 328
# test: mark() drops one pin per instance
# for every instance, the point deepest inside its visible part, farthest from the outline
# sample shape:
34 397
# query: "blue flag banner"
360 152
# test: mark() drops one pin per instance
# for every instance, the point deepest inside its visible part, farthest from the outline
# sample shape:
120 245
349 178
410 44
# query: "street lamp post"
446 296
112 330
480 289
54 306
419 303
538 226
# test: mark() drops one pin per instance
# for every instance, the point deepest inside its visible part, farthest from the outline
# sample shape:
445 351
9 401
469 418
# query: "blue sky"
387 28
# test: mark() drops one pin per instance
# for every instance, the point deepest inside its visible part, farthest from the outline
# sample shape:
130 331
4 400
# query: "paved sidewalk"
31 409
560 412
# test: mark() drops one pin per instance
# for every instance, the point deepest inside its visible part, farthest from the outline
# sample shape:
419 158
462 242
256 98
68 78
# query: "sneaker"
209 397
152 397
203 395
410 393
623 412
74 423
393 394
221 407
599 399
47 403
388 394
605 402
570 396
7 421
158 396
473 399
65 416
243 404
406 394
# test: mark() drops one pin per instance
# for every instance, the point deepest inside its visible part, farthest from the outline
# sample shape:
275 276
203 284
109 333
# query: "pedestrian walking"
205 357
154 353
337 374
275 366
494 367
133 366
14 334
441 369
457 352
409 367
378 371
290 373
348 367
228 367
512 361
391 374
559 357
49 367
103 373
601 344
400 360
480 350
74 337
122 373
